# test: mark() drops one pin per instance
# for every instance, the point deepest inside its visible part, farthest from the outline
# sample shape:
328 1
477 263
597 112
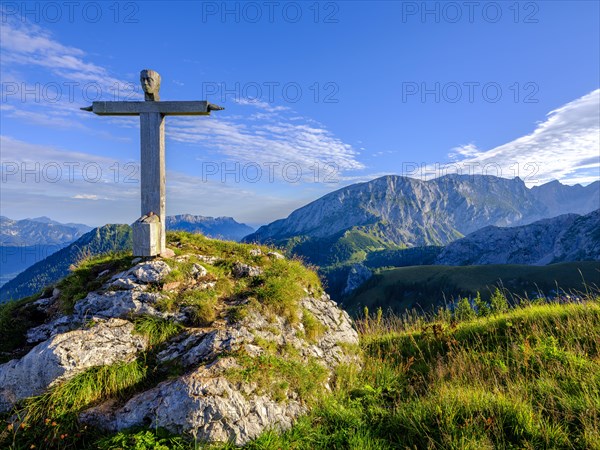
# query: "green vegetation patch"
313 328
156 329
427 287
50 420
278 375
282 285
16 317
85 276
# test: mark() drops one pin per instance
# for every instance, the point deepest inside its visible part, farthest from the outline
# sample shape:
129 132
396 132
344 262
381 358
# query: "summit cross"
149 234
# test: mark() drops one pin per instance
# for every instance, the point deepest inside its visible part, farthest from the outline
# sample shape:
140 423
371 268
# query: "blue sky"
318 95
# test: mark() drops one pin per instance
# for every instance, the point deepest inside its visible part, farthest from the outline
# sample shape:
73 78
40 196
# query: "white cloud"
86 197
566 147
51 181
268 134
272 139
27 44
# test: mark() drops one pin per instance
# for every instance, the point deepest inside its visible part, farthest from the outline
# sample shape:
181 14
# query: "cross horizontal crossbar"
168 108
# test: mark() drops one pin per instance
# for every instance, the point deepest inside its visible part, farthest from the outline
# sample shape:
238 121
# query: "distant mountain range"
379 222
25 242
44 264
389 221
400 212
39 231
51 269
569 237
216 227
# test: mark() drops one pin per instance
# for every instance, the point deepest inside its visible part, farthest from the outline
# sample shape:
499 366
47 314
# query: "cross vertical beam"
153 177
149 233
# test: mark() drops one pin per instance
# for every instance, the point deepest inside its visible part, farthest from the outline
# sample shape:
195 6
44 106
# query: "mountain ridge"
565 238
407 212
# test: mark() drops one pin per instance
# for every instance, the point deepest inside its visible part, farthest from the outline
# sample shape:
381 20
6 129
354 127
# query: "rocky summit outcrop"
211 404
66 354
251 342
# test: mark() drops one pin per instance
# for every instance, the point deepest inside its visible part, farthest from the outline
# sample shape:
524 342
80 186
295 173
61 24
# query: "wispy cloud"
269 137
264 133
81 187
28 44
566 146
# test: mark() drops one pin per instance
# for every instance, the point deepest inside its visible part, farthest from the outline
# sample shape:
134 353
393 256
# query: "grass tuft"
156 329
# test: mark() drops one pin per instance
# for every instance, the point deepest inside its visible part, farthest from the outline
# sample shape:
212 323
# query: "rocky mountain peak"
221 342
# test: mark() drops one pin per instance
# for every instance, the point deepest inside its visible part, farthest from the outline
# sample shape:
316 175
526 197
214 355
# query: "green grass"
85 276
313 328
278 375
526 378
482 376
283 284
50 420
156 329
143 440
16 317
425 287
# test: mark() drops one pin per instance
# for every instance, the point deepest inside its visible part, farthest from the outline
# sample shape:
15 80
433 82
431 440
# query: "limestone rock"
244 270
66 355
208 259
205 403
117 304
276 255
167 253
47 330
199 271
152 271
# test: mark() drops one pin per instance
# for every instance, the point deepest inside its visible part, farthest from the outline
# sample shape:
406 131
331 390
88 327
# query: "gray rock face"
276 255
358 275
560 198
66 355
123 296
116 304
244 270
204 404
414 212
199 271
209 406
207 402
581 241
560 239
151 272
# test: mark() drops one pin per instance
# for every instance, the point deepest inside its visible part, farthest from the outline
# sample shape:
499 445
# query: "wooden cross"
152 112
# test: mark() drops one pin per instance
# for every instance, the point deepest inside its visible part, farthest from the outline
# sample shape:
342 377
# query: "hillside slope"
493 376
108 238
427 287
219 343
53 266
564 238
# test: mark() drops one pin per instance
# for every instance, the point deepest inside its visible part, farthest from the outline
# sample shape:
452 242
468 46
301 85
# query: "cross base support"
147 237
